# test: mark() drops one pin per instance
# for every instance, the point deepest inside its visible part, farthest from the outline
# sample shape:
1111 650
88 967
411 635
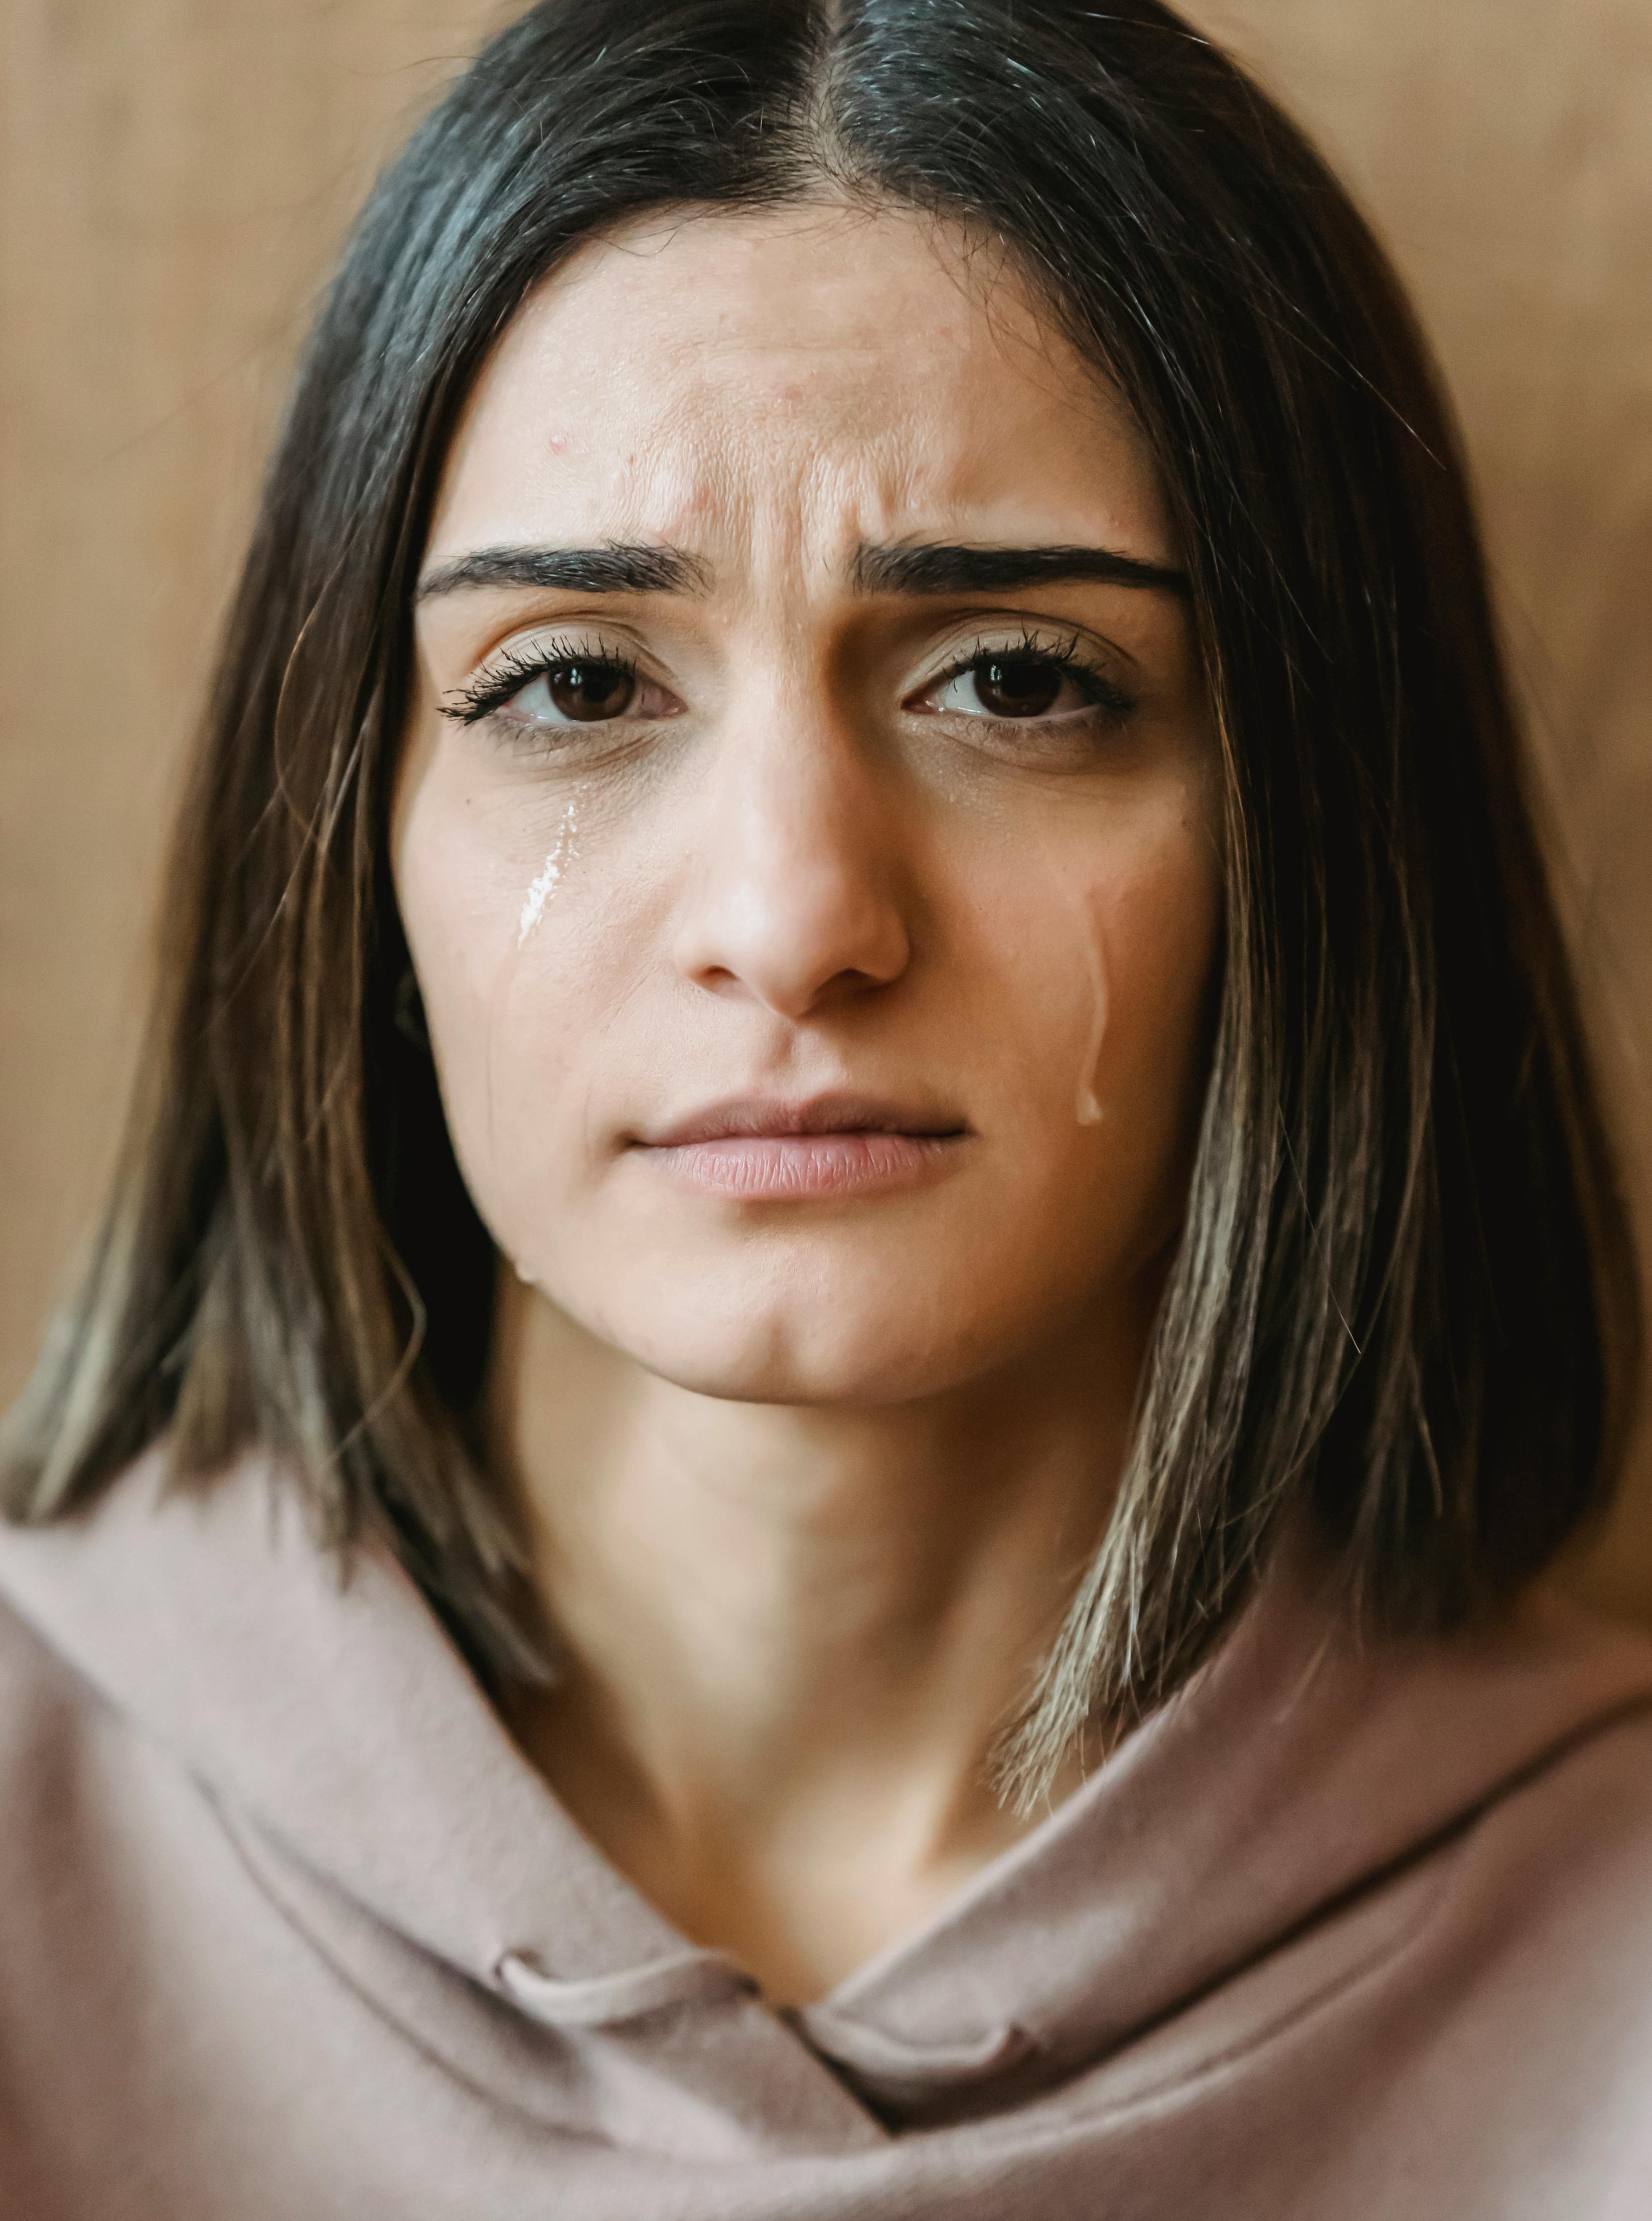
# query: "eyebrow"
927 567
906 567
616 568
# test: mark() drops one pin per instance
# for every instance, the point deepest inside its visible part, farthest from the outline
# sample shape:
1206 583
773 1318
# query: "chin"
819 1359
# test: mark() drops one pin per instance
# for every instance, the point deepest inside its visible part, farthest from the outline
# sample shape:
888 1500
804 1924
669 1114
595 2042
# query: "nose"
797 900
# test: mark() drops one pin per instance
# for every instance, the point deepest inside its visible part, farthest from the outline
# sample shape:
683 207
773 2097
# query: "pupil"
587 692
1018 686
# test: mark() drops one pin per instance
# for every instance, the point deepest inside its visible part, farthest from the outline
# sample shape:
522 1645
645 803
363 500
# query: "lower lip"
790 1168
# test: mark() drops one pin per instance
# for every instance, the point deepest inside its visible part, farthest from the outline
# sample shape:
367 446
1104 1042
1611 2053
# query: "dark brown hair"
1403 1297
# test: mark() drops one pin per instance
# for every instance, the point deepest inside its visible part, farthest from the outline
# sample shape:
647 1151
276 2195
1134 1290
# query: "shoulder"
1569 1828
1542 1935
41 1699
67 1742
57 1737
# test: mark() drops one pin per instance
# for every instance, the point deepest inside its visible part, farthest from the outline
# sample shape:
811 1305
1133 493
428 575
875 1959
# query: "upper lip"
764 1117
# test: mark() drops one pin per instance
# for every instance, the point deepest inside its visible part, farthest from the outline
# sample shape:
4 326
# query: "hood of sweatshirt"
334 1717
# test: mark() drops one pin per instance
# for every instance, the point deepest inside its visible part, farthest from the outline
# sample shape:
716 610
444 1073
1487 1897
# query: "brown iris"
586 692
1018 685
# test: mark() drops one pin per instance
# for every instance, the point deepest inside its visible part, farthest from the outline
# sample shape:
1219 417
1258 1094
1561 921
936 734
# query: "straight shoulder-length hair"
1403 1303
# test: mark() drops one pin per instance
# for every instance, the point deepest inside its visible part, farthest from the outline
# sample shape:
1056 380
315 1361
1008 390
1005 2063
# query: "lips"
757 1149
764 1118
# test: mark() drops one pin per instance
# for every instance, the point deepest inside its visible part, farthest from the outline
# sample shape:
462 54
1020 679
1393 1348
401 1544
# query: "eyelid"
523 656
562 639
1000 631
1058 644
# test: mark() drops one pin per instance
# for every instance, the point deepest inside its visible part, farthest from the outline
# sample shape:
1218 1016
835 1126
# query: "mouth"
754 1148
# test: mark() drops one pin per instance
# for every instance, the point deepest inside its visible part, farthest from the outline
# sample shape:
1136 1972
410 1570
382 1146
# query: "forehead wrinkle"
682 409
734 451
799 506
755 475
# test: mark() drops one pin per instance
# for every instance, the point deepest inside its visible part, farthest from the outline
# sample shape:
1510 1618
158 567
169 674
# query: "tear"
544 885
561 854
1088 1106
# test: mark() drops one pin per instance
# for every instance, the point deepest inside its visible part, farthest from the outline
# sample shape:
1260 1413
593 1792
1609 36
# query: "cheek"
1107 947
458 894
516 960
1159 928
1113 985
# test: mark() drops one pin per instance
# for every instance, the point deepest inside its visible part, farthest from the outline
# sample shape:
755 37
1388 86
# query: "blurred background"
175 177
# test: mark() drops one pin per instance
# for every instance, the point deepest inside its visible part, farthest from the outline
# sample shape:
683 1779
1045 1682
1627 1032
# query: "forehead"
699 376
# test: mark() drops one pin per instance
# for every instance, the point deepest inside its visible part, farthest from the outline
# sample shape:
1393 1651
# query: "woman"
867 1255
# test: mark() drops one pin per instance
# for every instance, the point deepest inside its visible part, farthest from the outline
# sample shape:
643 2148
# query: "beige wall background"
174 175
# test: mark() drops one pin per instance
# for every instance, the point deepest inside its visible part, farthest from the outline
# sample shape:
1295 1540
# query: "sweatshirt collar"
1298 1771
335 1714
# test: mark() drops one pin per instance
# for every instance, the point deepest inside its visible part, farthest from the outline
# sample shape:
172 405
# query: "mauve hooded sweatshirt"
289 1930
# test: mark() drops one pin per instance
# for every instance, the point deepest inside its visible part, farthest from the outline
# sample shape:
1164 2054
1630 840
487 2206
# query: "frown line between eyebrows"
906 567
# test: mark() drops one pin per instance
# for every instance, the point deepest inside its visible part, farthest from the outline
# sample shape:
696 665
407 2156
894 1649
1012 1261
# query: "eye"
539 686
1010 686
587 693
1024 684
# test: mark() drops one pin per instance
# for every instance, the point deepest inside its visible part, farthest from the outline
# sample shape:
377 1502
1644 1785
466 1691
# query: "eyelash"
1105 693
488 692
492 688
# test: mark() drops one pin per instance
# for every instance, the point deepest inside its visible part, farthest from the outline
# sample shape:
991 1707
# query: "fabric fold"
285 1910
597 2001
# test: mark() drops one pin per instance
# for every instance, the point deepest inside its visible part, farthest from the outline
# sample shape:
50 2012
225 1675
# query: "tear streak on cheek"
1088 1106
562 853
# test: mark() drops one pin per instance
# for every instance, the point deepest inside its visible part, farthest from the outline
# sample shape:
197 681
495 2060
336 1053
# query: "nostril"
789 920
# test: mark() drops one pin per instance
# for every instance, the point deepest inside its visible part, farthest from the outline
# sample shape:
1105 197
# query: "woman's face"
805 831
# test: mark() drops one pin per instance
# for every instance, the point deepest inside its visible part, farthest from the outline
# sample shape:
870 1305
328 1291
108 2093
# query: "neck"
792 1635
